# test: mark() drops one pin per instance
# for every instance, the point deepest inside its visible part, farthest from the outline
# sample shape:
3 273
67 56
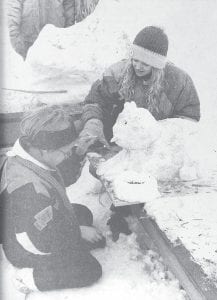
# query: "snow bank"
191 219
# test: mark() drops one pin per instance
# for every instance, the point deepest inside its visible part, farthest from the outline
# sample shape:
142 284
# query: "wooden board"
179 261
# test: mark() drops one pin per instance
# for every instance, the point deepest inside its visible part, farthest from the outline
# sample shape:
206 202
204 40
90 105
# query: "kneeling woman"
43 231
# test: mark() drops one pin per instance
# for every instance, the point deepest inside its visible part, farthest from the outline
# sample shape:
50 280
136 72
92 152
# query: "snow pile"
164 149
133 186
135 128
191 219
75 57
86 47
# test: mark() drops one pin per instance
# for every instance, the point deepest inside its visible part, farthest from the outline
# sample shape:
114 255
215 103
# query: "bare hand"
90 234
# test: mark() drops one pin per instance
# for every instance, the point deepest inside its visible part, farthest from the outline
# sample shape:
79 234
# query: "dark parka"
178 96
34 205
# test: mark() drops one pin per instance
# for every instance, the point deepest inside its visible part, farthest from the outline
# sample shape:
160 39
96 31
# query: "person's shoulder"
16 176
171 68
117 69
175 75
121 64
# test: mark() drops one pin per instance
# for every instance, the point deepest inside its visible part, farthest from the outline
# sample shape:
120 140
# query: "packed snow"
131 186
70 60
192 220
163 149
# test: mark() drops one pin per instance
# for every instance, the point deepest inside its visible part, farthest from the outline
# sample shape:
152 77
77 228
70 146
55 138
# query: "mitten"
118 225
91 133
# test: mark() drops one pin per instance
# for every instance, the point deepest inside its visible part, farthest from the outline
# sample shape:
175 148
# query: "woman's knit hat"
48 128
150 46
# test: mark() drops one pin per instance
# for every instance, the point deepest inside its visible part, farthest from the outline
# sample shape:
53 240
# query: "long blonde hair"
127 89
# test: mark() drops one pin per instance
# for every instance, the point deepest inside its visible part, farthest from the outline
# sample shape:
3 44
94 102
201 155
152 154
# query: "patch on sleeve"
43 217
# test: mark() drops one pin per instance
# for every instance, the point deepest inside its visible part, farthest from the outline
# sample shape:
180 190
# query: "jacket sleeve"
188 104
69 12
102 98
47 227
14 15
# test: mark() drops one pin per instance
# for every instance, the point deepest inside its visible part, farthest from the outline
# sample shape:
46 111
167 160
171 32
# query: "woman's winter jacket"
177 96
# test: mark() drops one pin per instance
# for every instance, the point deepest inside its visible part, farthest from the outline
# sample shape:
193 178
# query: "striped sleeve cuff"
91 111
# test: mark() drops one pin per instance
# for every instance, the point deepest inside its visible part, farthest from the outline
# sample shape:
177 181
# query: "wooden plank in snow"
179 261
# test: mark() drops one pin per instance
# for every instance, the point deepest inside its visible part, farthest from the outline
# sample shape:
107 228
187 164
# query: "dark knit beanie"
153 39
151 45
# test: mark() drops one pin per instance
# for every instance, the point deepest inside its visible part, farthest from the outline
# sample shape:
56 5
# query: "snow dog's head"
135 128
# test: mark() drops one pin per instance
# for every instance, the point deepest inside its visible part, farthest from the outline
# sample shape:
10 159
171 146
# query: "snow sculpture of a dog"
154 147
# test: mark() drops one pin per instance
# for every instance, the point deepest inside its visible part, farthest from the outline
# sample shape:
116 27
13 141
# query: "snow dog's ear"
130 106
130 109
127 106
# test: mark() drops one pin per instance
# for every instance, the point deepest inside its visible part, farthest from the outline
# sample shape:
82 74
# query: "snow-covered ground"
71 59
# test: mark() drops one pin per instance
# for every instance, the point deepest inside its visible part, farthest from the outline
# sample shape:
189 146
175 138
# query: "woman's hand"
90 234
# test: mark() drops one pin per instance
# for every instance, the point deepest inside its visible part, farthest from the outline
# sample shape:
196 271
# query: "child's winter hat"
48 128
150 46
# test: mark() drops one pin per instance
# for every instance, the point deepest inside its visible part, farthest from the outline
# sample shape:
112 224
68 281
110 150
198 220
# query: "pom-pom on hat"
150 46
48 128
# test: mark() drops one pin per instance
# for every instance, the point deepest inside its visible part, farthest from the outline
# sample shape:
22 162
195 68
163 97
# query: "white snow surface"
192 220
134 186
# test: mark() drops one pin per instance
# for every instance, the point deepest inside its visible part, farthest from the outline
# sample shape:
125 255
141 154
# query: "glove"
91 133
118 225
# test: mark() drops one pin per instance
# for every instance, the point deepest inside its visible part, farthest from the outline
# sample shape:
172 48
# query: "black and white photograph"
108 150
